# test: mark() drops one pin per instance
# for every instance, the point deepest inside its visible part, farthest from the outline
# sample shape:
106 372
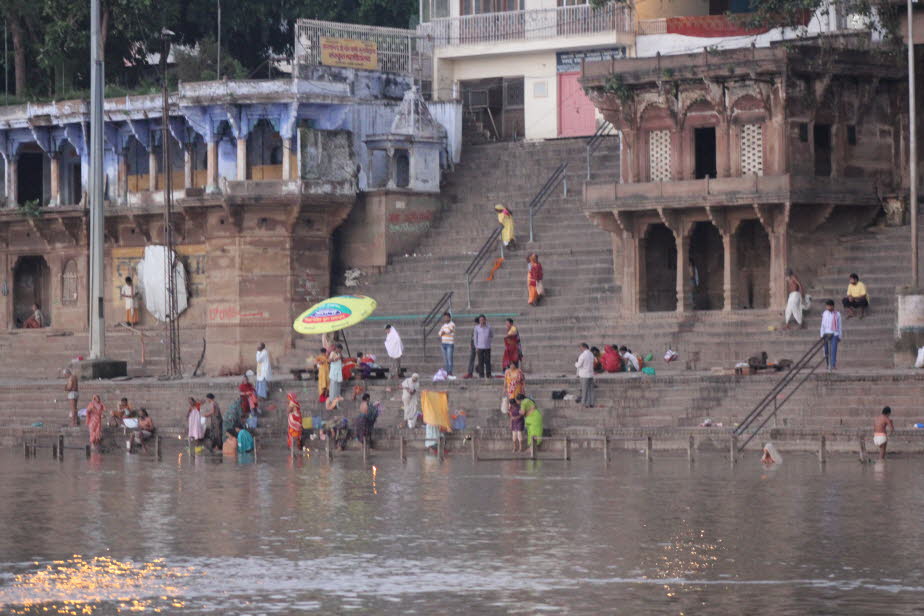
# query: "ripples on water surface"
119 534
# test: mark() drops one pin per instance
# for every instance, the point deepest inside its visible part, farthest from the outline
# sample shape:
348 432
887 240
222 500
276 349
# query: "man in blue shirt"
482 337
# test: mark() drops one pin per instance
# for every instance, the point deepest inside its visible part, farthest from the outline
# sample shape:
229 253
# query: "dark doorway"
704 148
31 285
660 269
822 134
706 267
402 169
752 274
29 177
71 189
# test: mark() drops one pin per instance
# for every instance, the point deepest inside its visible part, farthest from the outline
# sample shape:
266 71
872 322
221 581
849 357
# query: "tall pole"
172 333
912 151
218 66
97 322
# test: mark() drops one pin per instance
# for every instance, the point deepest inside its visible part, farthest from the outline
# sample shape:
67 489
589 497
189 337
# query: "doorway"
706 267
31 285
660 269
577 116
704 151
752 274
30 168
822 136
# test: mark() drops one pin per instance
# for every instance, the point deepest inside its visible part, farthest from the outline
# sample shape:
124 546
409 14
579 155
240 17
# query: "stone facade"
263 174
729 157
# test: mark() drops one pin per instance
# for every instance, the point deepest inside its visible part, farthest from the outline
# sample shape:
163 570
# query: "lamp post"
97 318
912 151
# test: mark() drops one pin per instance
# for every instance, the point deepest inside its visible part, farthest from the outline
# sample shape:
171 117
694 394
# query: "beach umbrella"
334 314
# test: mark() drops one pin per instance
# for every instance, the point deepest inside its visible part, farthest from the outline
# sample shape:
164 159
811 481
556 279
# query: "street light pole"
97 322
912 151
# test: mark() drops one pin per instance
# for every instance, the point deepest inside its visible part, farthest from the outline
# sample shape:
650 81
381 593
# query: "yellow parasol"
334 314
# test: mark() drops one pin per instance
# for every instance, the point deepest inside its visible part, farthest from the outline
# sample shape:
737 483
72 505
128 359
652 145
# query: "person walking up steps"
448 342
794 302
831 333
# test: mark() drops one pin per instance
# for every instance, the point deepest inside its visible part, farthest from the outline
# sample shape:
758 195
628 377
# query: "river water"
120 533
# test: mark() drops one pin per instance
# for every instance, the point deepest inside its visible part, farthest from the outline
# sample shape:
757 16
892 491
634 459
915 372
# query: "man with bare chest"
882 429
71 389
794 302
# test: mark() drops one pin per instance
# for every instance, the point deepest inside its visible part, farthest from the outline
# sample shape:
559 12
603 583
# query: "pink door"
576 114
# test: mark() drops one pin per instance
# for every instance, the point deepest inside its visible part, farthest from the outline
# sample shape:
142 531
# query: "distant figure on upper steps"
794 302
505 219
857 297
534 279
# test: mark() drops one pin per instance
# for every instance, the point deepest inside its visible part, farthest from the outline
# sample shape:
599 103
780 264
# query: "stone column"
779 251
211 165
152 169
11 184
241 158
122 193
287 159
729 267
723 149
683 248
187 166
628 161
55 184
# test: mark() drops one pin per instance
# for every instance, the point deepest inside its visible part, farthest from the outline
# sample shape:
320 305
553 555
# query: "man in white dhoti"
794 303
264 371
395 349
410 398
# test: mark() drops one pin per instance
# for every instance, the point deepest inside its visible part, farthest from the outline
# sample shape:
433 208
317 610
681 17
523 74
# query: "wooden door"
576 114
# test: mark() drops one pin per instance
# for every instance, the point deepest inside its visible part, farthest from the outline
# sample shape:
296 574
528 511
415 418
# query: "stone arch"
264 152
69 169
137 165
659 269
706 267
69 282
31 285
751 278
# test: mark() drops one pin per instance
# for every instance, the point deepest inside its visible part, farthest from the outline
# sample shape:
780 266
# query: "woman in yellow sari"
323 372
505 219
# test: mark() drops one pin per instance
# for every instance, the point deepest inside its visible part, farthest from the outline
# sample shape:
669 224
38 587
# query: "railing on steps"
475 266
596 139
770 404
557 177
432 319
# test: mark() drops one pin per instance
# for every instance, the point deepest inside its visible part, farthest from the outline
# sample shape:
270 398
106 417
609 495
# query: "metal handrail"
805 362
596 139
542 196
432 319
479 260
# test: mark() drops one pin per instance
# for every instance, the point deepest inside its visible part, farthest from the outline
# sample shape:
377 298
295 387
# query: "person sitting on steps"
856 298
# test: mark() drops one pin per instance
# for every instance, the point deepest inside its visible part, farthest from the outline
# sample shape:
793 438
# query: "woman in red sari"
247 391
534 279
512 352
95 411
294 432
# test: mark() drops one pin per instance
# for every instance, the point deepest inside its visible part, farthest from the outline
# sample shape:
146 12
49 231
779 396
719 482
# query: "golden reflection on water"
688 554
81 586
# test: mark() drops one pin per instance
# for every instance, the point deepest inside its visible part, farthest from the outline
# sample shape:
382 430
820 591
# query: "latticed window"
69 282
752 149
659 155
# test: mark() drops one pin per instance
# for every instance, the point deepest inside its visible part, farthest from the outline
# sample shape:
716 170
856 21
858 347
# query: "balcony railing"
536 24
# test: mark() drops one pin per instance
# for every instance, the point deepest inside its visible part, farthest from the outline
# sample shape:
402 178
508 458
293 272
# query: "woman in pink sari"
294 432
95 411
513 353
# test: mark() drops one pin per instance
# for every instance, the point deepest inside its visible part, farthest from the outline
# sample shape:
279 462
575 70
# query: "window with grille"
69 282
752 149
659 155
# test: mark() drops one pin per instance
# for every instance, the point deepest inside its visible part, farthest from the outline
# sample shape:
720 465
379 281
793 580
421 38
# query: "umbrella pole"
345 343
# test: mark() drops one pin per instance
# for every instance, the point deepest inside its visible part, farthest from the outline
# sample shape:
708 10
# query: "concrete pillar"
55 184
630 276
729 267
11 184
122 192
683 249
287 159
152 169
211 165
779 251
187 167
242 158
723 150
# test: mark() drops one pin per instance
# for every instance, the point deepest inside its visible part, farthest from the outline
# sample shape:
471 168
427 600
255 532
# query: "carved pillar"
242 158
152 169
729 267
683 249
287 159
188 166
628 160
630 272
775 220
55 184
723 149
211 165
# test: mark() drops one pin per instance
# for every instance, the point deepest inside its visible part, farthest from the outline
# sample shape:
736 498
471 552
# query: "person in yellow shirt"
857 298
505 219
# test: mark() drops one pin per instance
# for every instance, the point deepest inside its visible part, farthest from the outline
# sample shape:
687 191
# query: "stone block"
93 369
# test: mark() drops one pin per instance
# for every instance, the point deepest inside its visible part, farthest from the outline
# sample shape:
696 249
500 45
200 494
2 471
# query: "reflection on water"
275 535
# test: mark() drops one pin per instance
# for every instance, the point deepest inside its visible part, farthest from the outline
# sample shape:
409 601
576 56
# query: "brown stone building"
732 160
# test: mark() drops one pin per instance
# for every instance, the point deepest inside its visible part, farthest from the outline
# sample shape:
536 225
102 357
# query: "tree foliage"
50 46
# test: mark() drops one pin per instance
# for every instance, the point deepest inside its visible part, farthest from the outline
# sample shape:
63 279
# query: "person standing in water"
882 429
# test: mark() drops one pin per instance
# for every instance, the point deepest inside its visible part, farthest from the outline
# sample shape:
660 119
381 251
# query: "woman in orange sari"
294 432
514 382
95 411
534 279
512 351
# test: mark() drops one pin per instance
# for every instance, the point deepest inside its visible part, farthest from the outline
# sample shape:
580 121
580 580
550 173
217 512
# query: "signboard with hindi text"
349 53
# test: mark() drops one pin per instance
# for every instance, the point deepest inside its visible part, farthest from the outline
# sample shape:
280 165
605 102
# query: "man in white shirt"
395 349
831 333
264 371
448 342
629 360
585 372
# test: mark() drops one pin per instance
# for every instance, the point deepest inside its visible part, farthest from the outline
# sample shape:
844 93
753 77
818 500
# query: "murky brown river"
120 533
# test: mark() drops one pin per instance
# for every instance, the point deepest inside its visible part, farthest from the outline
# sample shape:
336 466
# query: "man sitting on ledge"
856 297
37 320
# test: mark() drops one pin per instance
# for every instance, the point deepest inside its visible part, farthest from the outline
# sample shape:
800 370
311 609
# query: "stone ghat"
827 402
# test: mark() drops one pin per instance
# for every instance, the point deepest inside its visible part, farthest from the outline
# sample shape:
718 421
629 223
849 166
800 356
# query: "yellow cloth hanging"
435 406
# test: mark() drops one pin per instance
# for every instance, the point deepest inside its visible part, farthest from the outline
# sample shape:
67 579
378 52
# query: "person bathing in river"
882 429
517 425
